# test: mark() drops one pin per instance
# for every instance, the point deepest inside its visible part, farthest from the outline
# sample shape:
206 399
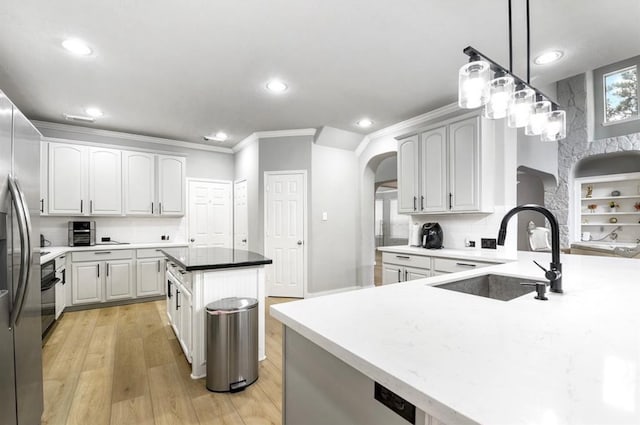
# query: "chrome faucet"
554 274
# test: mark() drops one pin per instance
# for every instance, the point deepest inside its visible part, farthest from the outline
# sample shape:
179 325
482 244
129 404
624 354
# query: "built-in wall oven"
48 282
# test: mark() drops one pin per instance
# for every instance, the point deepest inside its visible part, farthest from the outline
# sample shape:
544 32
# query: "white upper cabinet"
433 193
139 171
83 180
408 174
464 164
443 173
105 181
67 179
44 171
171 185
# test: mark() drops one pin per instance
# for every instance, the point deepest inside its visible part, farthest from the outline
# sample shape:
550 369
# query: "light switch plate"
325 216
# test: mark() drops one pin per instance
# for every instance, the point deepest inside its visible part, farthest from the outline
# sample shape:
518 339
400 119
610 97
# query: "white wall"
334 187
121 229
387 170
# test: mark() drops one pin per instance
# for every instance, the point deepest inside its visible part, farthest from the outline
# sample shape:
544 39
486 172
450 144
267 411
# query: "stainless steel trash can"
232 344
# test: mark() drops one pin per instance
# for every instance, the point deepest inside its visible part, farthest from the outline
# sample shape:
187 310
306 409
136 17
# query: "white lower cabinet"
118 280
87 282
403 267
150 277
180 315
115 275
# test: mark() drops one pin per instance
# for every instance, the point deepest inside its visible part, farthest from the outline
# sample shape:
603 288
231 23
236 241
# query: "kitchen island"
460 358
200 275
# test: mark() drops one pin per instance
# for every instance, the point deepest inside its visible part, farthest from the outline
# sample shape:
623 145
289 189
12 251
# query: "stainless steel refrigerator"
21 393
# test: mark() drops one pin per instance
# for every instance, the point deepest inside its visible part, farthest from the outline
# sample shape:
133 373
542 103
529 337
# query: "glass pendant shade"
520 108
473 84
500 91
537 118
556 126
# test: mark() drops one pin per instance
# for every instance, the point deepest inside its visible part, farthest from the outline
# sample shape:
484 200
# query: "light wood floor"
122 365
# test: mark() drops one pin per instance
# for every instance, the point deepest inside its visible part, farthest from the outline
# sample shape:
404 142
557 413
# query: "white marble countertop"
488 255
574 359
56 251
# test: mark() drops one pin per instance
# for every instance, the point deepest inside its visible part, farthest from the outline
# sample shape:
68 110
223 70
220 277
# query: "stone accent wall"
572 95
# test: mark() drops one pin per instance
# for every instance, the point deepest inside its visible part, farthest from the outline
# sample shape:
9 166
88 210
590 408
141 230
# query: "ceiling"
182 70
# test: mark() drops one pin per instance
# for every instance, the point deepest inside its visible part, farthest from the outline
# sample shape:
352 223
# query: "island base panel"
320 389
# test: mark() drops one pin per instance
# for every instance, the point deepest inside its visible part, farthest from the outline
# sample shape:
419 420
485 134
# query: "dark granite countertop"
210 258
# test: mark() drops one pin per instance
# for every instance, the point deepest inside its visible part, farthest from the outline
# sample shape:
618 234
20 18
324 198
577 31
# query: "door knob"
192 240
299 242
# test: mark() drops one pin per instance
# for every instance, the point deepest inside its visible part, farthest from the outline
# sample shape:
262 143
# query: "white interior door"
285 233
240 216
210 213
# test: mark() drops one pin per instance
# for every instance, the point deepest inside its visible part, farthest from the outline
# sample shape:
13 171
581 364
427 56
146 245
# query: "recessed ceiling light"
548 57
94 112
277 86
364 123
220 136
77 46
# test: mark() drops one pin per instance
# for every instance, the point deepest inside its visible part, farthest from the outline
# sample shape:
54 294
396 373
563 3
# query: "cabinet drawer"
149 253
407 260
103 254
451 265
60 261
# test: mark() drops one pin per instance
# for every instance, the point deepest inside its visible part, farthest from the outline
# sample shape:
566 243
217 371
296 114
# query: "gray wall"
334 187
200 164
246 167
387 170
530 191
282 154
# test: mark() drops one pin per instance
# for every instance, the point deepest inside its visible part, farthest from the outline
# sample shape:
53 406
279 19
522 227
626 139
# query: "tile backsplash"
121 229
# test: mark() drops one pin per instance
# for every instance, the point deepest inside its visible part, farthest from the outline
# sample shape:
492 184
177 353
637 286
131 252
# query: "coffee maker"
432 237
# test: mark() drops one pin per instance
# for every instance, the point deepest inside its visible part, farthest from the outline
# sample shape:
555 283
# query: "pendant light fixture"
506 95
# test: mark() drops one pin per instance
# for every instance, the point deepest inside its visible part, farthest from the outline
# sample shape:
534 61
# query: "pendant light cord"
528 46
510 41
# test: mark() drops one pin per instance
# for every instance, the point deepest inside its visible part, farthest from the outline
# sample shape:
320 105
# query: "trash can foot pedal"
238 386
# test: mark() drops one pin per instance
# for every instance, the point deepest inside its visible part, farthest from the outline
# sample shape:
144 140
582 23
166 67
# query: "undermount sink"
497 287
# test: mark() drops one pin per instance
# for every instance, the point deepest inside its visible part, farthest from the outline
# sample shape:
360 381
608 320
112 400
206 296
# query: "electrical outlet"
162 238
105 239
488 243
472 244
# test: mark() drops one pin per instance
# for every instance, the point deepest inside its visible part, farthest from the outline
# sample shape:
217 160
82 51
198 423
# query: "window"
615 99
621 95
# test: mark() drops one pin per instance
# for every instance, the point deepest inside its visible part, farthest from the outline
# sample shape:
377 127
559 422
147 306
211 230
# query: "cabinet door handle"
450 200
405 275
404 257
41 205
102 252
465 264
169 289
415 200
64 276
160 208
422 202
81 206
152 208
158 266
98 269
177 299
399 275
91 206
107 269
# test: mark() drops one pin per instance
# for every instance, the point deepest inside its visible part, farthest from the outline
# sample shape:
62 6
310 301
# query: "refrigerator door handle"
24 228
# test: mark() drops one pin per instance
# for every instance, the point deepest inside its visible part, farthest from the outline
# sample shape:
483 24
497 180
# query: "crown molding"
397 128
272 134
46 125
244 143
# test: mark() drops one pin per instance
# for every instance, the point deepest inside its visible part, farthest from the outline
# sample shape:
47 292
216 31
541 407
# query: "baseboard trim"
332 291
113 303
